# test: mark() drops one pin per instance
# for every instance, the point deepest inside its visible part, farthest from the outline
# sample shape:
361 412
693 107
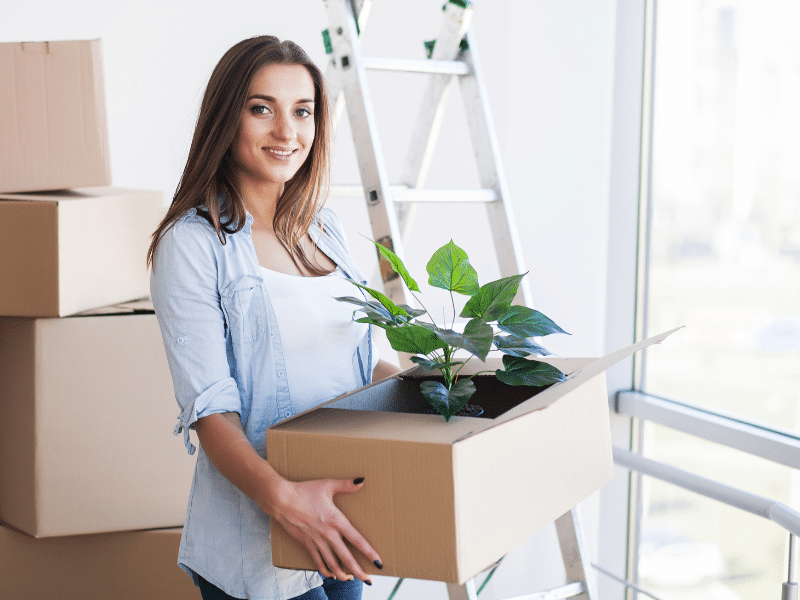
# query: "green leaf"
412 312
447 402
517 346
493 299
527 322
430 365
384 300
381 324
449 269
521 371
398 266
414 338
374 310
476 339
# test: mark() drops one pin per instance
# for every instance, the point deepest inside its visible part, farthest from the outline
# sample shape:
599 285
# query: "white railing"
777 446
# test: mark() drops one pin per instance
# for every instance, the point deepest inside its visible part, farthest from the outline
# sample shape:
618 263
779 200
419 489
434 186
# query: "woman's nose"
284 128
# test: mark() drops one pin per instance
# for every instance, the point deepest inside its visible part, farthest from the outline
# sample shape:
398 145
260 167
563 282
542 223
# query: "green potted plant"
493 322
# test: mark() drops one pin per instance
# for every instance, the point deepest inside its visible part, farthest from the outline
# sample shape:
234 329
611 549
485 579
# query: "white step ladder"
453 55
346 76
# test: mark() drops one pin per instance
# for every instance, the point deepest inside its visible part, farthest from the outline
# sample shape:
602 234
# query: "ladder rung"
401 193
565 591
414 65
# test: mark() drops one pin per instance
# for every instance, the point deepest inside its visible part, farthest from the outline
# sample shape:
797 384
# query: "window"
724 260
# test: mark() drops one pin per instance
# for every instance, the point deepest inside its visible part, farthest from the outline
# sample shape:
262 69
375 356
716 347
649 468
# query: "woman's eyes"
260 109
263 109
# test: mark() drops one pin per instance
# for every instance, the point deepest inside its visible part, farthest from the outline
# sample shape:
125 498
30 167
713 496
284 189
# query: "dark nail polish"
377 563
358 480
368 582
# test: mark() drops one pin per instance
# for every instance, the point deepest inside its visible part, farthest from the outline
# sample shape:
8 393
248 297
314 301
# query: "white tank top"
318 334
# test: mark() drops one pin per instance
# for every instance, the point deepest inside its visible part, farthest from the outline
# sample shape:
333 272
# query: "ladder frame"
347 78
580 584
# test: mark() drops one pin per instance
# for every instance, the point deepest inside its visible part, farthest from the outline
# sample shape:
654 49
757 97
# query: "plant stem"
446 372
462 366
423 307
453 302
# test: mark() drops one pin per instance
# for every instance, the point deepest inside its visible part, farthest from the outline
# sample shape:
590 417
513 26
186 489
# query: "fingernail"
368 582
358 480
377 563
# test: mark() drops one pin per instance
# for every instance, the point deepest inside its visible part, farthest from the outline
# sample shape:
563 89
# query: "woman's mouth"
279 153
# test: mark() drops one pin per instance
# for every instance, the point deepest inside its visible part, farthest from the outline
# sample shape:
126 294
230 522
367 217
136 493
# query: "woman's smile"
280 153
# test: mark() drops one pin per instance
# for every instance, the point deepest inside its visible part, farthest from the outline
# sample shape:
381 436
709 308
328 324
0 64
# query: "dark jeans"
331 589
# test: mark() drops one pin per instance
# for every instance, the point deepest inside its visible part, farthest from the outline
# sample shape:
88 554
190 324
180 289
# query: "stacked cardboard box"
86 397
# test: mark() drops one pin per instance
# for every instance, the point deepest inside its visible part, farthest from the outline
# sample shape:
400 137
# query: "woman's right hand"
307 512
305 509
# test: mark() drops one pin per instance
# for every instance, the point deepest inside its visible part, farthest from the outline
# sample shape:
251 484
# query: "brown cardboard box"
442 501
119 566
53 132
70 251
86 412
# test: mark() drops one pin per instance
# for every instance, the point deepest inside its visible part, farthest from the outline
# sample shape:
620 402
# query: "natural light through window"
725 262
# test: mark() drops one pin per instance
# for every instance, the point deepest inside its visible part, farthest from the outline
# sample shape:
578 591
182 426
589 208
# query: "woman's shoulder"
194 226
189 235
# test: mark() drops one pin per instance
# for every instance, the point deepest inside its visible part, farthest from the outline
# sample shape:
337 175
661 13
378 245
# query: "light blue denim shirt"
225 355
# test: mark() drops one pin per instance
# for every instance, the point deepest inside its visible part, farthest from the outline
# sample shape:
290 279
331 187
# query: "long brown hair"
208 183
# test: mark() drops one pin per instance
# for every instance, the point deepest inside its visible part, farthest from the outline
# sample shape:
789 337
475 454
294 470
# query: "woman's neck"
261 201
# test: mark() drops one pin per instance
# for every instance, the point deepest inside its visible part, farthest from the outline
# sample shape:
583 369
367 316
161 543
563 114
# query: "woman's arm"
186 298
305 509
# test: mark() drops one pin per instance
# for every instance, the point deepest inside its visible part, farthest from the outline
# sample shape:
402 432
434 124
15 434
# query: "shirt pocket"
245 309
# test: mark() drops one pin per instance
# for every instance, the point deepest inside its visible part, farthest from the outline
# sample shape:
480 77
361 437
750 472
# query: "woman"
246 264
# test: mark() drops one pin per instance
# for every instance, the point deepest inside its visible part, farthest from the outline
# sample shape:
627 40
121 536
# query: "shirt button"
287 414
181 339
281 373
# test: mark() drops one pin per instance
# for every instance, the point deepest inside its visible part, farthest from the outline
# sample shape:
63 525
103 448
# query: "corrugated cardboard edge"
101 111
79 193
17 447
140 306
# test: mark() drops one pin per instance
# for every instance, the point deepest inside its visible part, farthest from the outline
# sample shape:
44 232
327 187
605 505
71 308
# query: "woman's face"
276 130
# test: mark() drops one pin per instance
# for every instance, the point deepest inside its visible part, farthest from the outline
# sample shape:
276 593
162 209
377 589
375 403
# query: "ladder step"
414 65
565 591
401 193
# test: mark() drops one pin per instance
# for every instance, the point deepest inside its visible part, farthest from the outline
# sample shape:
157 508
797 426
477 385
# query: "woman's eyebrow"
272 99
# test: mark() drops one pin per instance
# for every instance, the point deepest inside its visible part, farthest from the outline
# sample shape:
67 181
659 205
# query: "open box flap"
576 378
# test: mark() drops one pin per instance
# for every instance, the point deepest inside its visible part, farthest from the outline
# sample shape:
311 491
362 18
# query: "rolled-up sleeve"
185 294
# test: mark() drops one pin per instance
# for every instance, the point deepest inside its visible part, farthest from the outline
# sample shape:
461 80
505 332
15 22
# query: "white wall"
549 70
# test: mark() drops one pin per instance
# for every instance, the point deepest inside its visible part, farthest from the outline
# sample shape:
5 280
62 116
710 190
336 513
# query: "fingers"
351 533
315 521
332 562
346 486
319 562
333 558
